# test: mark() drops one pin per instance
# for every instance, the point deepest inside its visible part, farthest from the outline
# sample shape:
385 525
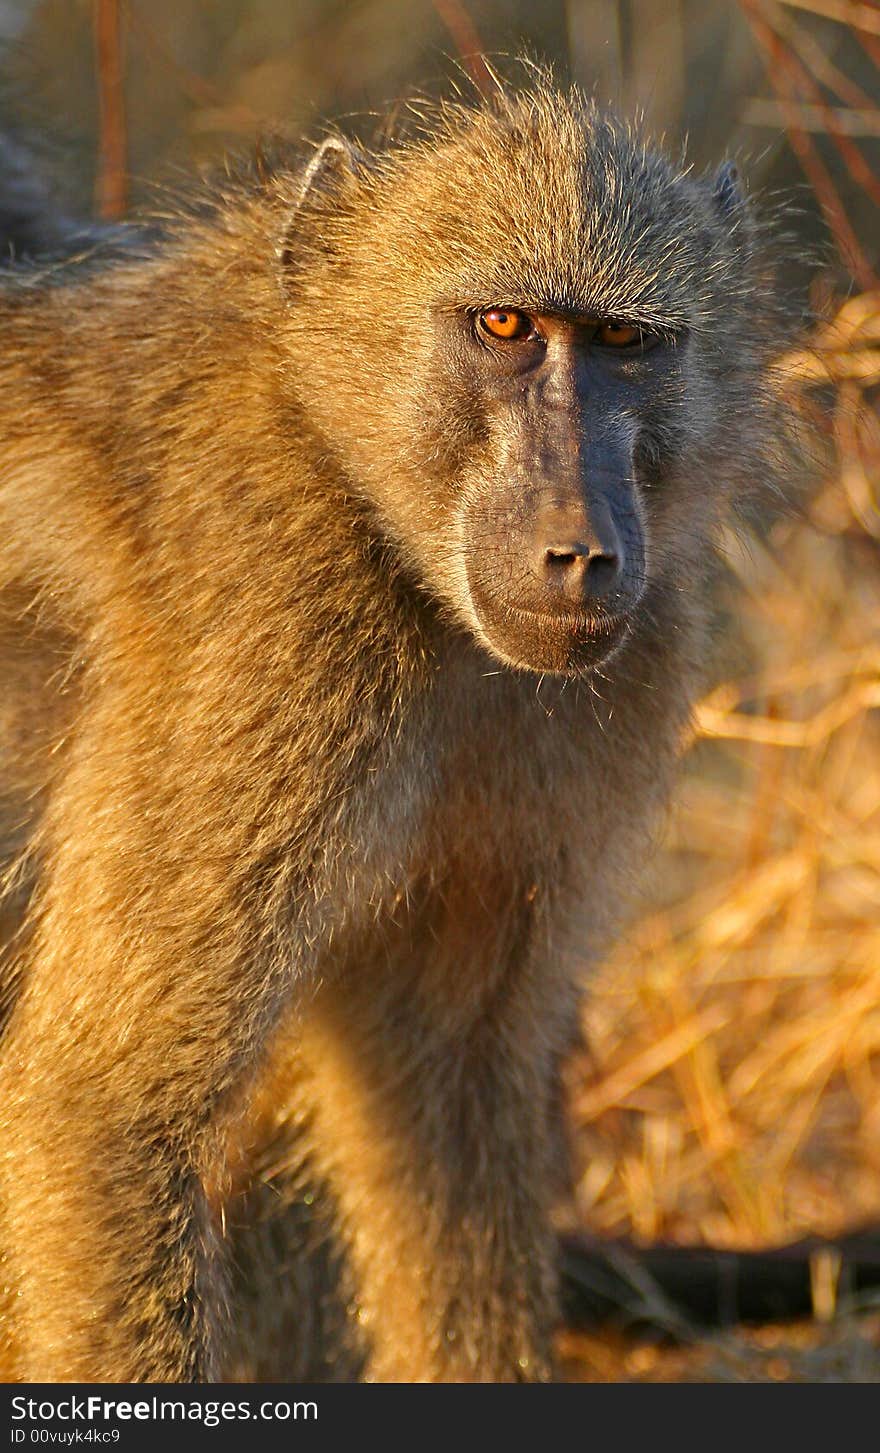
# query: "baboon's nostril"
580 571
558 558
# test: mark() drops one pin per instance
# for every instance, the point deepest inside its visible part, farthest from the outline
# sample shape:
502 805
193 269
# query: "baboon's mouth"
575 622
564 643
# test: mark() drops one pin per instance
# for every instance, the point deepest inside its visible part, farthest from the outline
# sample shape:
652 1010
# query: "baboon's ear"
333 169
728 194
335 163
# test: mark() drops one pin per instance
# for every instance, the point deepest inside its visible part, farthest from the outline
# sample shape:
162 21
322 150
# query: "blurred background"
725 1111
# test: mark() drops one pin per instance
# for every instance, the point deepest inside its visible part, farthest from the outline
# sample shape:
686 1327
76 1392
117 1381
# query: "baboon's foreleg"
440 1153
144 1005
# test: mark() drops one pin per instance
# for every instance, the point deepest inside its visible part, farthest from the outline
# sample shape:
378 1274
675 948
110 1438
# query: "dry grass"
730 1093
844 1352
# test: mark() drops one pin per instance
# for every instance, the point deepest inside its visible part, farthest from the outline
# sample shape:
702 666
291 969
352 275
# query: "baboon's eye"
506 323
617 335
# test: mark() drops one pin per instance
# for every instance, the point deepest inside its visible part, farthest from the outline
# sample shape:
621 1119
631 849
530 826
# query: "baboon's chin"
561 646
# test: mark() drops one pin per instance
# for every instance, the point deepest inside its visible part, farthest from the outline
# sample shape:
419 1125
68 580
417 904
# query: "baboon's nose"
580 560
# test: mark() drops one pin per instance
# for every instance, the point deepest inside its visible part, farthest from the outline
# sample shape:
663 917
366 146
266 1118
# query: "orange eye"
616 335
506 323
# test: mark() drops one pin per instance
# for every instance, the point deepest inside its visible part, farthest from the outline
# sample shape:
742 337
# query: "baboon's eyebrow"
667 323
604 301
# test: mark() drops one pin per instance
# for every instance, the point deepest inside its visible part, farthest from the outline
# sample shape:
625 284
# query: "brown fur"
312 874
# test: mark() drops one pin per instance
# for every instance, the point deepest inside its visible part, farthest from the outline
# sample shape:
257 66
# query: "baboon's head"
537 346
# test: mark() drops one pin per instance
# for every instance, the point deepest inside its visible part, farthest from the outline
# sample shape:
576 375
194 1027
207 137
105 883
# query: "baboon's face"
548 529
547 353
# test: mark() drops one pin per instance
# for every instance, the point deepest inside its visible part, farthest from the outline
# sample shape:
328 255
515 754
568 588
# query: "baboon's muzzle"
557 573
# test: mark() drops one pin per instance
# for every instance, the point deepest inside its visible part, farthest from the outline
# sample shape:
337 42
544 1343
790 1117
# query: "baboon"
353 556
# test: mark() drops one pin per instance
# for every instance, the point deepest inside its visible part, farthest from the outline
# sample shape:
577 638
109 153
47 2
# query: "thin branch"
111 186
870 44
467 41
817 173
853 160
759 111
821 65
862 16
